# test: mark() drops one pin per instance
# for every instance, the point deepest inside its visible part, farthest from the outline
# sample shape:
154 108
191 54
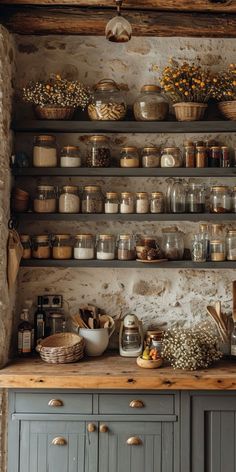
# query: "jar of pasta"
46 199
26 244
69 200
108 102
41 247
62 246
45 151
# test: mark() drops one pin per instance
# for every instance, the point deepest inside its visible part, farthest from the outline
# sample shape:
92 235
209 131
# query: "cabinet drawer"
53 403
137 404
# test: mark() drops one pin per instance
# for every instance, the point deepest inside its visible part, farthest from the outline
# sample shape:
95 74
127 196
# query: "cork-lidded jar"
150 105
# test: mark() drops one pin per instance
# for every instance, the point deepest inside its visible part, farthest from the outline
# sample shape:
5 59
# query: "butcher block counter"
114 372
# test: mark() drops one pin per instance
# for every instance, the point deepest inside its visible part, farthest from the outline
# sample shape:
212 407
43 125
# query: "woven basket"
61 348
54 113
189 111
228 109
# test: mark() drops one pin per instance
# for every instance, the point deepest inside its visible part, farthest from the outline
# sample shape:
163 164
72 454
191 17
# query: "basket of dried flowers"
224 91
56 98
188 87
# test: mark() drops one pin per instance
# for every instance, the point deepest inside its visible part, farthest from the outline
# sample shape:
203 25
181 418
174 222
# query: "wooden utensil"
221 328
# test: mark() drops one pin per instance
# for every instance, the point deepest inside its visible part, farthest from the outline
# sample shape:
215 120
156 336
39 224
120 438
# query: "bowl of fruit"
150 358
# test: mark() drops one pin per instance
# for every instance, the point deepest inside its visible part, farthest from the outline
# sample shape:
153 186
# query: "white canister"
96 340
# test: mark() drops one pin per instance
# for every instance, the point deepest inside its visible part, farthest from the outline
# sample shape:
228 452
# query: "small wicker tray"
61 348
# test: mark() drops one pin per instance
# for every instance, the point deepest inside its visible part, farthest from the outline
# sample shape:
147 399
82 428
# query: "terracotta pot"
228 109
189 111
52 112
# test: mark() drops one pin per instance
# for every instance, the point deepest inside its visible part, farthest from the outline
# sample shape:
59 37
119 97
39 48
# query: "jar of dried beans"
92 199
98 154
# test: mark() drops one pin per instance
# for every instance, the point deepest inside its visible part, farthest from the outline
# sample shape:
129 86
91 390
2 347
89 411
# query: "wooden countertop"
114 372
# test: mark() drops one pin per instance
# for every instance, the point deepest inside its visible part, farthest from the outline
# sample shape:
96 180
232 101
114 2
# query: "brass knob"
136 404
59 441
134 441
55 403
103 428
91 428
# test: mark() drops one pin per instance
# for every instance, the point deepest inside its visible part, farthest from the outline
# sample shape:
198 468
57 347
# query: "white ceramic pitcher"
96 340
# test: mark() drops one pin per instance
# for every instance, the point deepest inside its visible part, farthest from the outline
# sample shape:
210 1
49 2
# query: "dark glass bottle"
39 321
25 335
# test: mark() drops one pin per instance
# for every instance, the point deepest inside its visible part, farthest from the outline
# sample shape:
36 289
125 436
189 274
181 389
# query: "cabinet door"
56 446
137 447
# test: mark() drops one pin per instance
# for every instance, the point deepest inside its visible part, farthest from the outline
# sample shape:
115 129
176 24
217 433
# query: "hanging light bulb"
118 29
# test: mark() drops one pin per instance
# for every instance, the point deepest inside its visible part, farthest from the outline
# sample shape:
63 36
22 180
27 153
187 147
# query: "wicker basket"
54 113
228 109
189 111
61 348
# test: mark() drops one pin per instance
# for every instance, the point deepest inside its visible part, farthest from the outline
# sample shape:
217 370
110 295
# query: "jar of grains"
112 202
217 250
150 105
234 199
108 102
142 202
98 154
84 246
26 244
201 156
45 151
62 246
157 202
151 156
106 247
231 245
171 157
129 157
189 156
45 200
172 244
41 246
92 199
220 199
126 247
127 202
69 200
70 157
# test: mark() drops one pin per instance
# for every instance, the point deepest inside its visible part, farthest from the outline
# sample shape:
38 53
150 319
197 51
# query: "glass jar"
205 231
142 202
129 157
154 339
217 249
41 247
215 156
70 157
126 247
106 247
98 154
126 202
171 157
61 246
157 202
69 200
234 200
231 245
151 156
150 105
220 199
172 244
45 200
112 202
26 244
56 323
178 197
108 102
201 156
195 199
84 246
189 156
199 253
44 151
92 199
225 157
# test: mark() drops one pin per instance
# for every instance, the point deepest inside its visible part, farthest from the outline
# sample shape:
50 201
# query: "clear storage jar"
112 202
70 157
127 202
44 151
108 102
150 105
84 246
92 199
151 156
199 248
56 322
106 247
220 199
62 246
129 157
171 157
98 153
41 247
195 199
217 250
69 200
172 244
178 197
231 245
26 244
46 199
234 200
157 202
126 247
142 202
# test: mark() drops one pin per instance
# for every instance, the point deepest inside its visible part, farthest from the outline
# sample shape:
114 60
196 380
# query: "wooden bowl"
149 363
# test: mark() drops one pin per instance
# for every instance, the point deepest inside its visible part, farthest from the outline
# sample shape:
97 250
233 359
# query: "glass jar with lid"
46 199
142 202
189 156
215 156
108 102
205 231
45 151
150 105
126 247
157 202
231 245
98 153
195 199
234 199
171 157
217 250
84 246
69 200
106 247
92 199
154 338
199 248
151 156
112 202
70 157
41 246
26 244
127 202
172 244
129 157
62 246
56 323
201 156
178 197
220 199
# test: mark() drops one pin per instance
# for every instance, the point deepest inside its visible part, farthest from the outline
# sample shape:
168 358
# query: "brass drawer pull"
134 441
136 404
55 403
91 428
103 428
59 441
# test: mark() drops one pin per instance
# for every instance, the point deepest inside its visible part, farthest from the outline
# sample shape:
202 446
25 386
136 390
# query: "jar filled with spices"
41 247
45 151
220 199
98 153
234 199
151 156
178 197
106 247
142 202
217 249
129 157
26 244
92 199
69 200
150 105
201 156
189 156
112 202
195 199
70 157
215 156
126 247
171 157
108 102
172 244
84 246
231 245
157 202
225 158
127 202
62 246
46 199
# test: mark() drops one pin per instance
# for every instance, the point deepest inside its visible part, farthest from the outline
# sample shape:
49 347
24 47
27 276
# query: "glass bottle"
195 199
112 202
25 334
106 247
205 231
84 246
45 151
129 157
108 102
142 202
150 105
178 197
225 158
92 199
98 153
233 342
126 247
39 321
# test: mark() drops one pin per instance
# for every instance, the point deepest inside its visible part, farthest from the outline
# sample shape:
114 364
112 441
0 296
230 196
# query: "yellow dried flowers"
224 84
